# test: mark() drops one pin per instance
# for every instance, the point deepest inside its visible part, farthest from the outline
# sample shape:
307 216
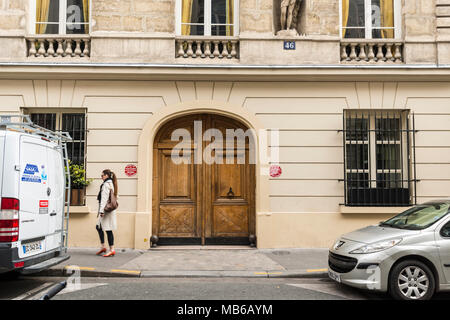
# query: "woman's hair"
112 175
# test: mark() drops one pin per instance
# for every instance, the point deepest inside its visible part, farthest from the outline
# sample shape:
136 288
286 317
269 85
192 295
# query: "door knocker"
230 193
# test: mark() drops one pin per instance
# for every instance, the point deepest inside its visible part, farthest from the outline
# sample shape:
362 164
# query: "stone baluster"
177 49
207 52
86 52
225 52
68 51
32 52
180 48
233 49
389 56
77 51
398 54
51 49
370 53
41 51
194 53
362 52
198 51
213 49
353 51
344 55
189 52
216 52
380 55
220 51
60 49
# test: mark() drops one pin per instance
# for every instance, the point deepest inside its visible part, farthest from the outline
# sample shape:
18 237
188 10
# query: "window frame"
207 23
58 122
368 22
62 24
406 154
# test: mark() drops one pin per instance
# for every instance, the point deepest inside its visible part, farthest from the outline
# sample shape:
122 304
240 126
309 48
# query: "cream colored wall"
302 208
13 15
134 15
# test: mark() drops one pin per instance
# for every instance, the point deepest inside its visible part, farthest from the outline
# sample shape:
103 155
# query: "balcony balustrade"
207 47
67 46
371 51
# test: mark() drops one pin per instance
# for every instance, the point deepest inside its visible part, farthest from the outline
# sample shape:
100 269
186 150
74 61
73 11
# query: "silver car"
407 255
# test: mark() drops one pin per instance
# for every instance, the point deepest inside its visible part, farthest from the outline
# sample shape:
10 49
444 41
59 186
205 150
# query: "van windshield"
419 217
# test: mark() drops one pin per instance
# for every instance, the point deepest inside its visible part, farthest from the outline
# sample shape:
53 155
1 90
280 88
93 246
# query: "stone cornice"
142 71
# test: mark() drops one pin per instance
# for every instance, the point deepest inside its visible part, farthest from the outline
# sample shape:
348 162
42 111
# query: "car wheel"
411 280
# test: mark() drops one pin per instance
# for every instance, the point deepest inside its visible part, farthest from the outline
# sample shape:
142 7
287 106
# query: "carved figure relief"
289 11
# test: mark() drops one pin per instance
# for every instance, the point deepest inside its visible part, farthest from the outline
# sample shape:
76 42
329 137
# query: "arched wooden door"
202 203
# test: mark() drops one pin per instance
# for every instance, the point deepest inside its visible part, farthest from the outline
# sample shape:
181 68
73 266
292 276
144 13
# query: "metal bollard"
54 290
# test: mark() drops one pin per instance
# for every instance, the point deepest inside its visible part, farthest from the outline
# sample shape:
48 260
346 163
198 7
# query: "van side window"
445 231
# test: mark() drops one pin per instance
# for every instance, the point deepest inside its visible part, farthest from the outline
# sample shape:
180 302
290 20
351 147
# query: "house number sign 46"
289 45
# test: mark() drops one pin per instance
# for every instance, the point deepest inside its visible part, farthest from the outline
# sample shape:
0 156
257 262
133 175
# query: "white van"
33 230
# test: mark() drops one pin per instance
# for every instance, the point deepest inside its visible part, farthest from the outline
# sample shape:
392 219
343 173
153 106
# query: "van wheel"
10 275
411 280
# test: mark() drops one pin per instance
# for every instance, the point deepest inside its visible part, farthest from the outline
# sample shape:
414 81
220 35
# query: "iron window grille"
74 124
379 158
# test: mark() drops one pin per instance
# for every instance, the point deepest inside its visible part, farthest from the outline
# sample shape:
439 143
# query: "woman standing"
106 220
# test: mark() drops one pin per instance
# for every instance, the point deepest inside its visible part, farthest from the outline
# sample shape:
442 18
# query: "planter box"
77 197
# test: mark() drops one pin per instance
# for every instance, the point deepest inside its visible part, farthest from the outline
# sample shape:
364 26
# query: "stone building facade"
135 72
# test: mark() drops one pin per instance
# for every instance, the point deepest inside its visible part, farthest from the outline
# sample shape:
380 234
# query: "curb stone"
184 274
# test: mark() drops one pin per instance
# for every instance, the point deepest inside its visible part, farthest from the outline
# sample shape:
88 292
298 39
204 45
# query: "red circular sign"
275 171
130 170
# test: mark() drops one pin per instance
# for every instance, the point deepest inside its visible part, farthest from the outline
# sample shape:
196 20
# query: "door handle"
53 214
230 193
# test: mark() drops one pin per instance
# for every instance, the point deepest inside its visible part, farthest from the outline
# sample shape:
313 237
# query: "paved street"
183 289
31 288
196 274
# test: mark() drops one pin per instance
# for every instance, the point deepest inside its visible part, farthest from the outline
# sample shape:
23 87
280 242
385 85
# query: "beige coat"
109 220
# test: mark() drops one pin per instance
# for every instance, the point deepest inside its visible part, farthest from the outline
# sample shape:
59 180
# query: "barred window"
74 124
377 158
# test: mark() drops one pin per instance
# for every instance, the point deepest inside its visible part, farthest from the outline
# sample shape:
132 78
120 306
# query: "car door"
33 217
443 242
54 174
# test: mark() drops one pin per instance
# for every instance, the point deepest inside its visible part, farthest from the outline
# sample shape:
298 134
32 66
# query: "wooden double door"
199 202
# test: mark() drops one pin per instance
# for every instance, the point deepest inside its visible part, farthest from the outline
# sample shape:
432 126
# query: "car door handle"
52 214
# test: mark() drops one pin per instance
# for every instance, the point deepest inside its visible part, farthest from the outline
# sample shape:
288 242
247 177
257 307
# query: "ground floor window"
377 158
72 122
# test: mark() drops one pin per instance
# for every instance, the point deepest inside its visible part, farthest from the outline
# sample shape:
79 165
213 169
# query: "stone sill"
372 210
79 209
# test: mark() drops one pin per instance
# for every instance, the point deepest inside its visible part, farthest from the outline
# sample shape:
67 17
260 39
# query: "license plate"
32 247
333 275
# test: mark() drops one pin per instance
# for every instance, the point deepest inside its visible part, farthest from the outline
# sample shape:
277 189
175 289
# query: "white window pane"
222 12
356 14
47 11
76 14
192 13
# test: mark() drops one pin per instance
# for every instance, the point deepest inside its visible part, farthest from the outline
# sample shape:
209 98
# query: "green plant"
78 176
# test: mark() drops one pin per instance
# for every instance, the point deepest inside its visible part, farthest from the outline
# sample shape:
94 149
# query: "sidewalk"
197 261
